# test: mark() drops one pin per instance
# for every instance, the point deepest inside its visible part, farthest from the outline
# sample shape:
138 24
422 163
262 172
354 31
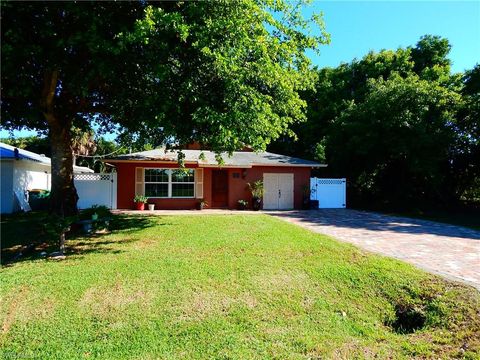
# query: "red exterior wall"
126 187
237 187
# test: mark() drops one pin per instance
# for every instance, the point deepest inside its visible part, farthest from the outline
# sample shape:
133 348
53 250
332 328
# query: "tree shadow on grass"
23 237
82 248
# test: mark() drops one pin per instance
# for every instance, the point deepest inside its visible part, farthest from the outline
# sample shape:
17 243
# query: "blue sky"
356 27
359 26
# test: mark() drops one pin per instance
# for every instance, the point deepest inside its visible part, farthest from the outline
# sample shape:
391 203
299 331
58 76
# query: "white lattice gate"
330 193
96 189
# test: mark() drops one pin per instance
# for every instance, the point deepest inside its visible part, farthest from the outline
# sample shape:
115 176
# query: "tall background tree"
398 124
221 73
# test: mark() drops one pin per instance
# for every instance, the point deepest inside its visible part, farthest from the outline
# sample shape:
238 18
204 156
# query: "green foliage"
398 125
36 144
83 141
257 189
466 149
75 39
55 227
103 149
335 90
226 74
431 51
398 139
140 199
101 210
242 204
319 152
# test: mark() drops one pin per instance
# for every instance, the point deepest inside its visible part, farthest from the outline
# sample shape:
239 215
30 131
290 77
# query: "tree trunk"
62 243
63 196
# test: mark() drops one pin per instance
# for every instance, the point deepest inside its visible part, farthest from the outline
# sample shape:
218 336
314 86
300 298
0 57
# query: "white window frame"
169 184
157 182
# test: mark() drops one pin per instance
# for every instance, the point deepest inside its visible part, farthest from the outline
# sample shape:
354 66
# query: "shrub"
256 189
101 210
140 199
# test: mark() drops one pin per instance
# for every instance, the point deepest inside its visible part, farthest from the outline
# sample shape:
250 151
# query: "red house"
156 175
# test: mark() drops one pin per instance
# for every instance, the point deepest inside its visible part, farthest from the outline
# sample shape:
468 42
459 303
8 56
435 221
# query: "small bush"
101 210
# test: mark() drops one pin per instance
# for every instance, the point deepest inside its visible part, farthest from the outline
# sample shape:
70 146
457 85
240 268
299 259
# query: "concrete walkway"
447 250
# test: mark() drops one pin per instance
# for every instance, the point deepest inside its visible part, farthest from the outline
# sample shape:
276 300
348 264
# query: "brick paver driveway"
447 250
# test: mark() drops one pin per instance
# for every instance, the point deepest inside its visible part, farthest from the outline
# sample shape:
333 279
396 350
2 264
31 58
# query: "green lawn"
227 287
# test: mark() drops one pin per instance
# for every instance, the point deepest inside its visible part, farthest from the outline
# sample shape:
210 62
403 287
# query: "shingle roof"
238 158
8 152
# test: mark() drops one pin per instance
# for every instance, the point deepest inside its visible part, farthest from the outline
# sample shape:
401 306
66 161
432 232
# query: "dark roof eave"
145 160
293 165
247 166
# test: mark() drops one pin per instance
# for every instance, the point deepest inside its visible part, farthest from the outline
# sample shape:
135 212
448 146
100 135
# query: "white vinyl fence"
96 189
330 193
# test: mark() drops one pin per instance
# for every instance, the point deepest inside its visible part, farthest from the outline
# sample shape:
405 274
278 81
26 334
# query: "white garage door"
278 193
330 193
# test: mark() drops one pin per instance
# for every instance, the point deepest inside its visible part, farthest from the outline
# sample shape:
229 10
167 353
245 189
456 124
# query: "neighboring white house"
22 170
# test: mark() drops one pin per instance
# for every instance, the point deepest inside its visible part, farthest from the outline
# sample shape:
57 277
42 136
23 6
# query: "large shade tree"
224 74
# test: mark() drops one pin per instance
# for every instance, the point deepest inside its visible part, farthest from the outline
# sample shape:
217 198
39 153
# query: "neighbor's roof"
243 159
8 152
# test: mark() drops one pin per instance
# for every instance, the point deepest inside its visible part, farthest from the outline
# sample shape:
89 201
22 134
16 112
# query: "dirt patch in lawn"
104 301
201 304
24 305
283 280
16 300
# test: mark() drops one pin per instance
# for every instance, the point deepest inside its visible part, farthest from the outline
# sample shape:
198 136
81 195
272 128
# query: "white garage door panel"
270 196
278 193
285 183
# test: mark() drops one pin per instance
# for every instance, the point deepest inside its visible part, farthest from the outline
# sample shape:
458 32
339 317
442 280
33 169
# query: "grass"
21 230
227 287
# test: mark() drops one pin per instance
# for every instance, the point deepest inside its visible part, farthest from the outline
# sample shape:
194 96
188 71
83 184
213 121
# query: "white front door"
278 193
